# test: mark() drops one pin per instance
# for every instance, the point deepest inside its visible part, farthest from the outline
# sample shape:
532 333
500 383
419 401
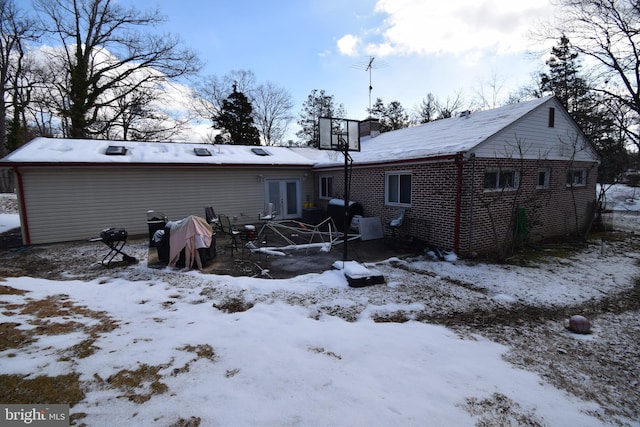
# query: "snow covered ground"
9 218
623 204
311 351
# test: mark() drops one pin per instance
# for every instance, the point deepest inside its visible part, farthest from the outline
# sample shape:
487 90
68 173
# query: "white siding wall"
66 204
537 140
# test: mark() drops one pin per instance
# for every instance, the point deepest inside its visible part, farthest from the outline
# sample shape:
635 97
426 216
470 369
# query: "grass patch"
191 422
44 313
12 337
60 306
81 350
395 317
8 290
233 305
62 389
201 350
138 386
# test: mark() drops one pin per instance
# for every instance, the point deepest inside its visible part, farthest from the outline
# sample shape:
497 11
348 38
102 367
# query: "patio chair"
270 214
395 224
212 219
268 217
229 230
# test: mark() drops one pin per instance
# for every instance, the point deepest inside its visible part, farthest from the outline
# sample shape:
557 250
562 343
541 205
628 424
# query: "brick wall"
550 211
486 217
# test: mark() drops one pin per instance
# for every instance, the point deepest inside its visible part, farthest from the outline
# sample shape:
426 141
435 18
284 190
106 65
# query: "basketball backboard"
339 134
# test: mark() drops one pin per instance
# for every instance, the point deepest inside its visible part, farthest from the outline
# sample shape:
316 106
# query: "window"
543 178
552 117
260 152
500 179
398 188
576 177
326 187
116 150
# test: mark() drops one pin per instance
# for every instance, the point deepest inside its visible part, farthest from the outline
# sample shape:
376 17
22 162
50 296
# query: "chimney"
465 113
369 127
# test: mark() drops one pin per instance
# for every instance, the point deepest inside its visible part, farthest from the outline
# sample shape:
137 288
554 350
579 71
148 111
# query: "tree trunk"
7 181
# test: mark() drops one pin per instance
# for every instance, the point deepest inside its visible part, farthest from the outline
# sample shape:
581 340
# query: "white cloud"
348 45
420 27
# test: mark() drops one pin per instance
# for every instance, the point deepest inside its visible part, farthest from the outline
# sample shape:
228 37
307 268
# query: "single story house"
470 183
72 189
476 182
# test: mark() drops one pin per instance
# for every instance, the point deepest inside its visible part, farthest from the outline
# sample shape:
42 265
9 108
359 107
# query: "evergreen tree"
318 104
427 109
586 107
391 117
564 80
236 119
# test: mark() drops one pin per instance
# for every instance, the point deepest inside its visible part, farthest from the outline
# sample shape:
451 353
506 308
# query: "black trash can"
335 209
156 221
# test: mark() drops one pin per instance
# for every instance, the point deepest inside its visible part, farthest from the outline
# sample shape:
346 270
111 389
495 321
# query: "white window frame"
398 190
547 178
323 188
499 184
577 177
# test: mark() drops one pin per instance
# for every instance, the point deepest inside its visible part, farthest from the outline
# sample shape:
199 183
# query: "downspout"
23 208
473 181
456 230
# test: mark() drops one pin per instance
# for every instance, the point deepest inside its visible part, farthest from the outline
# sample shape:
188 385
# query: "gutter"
153 165
382 163
26 237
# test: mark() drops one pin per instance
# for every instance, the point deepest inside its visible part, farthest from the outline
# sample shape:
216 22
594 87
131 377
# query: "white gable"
532 137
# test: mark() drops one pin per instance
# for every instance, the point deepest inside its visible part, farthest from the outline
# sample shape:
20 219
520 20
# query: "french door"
284 194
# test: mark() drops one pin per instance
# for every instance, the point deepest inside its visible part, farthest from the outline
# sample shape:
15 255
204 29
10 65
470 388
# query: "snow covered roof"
70 151
438 138
442 137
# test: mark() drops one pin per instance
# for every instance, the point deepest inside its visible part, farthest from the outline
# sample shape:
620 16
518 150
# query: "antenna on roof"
368 66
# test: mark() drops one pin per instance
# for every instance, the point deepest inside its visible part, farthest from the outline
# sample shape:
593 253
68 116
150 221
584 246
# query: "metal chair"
270 214
212 219
395 224
232 232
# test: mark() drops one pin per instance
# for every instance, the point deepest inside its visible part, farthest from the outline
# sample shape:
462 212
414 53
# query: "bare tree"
140 116
607 32
15 29
271 104
211 91
432 108
90 28
272 112
450 106
488 93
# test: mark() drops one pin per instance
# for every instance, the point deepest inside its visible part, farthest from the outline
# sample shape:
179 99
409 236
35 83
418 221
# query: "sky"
289 361
418 47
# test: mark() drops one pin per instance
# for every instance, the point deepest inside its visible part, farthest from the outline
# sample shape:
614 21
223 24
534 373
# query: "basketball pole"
345 151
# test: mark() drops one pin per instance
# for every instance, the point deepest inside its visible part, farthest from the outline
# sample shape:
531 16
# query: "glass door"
285 197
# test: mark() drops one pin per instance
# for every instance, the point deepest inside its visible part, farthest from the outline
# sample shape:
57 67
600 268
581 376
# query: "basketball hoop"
341 135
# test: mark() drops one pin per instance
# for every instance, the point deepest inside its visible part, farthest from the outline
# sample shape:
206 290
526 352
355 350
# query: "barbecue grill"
115 239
